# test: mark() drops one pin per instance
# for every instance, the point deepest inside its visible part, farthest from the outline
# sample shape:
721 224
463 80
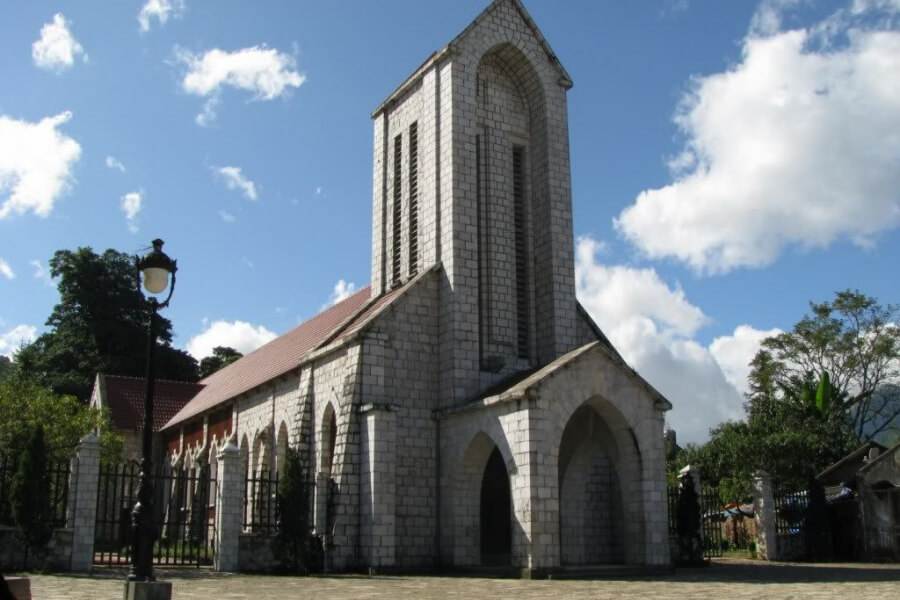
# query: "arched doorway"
496 512
591 515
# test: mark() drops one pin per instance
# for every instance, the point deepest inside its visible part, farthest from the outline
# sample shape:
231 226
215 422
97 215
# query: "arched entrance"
591 516
496 512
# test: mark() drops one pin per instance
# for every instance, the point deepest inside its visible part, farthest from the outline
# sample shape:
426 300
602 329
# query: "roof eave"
435 58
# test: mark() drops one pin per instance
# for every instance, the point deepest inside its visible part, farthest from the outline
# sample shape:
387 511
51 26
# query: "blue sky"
730 162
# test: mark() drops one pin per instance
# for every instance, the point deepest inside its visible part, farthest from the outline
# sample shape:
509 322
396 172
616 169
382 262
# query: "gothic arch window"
510 140
328 440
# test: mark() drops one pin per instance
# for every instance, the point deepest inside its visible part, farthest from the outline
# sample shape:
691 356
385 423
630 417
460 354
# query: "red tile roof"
125 399
283 354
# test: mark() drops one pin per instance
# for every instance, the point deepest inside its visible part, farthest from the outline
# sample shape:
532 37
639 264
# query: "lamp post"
153 271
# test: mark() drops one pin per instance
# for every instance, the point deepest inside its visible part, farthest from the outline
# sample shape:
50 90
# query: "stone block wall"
409 356
256 554
591 510
57 555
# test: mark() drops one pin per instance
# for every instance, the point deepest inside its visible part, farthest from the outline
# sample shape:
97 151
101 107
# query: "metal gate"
711 518
184 516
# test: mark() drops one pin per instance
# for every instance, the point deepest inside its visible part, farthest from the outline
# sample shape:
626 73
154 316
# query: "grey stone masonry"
229 509
82 517
764 511
377 485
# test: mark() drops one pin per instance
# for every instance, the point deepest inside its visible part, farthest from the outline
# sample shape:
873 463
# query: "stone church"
463 409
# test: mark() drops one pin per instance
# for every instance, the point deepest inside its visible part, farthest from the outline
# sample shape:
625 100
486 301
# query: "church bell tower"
471 171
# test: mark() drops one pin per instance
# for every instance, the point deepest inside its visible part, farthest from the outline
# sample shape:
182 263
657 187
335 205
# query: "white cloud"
227 216
653 325
734 353
161 10
57 49
263 71
242 336
206 117
234 179
35 164
40 272
15 338
794 146
114 163
6 270
342 290
131 206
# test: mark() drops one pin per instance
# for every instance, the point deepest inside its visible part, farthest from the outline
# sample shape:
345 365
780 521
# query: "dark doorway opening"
496 513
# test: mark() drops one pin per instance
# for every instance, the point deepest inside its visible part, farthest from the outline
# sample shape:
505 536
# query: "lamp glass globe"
156 280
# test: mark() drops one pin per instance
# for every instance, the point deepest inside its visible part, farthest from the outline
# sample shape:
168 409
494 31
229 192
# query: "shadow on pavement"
741 571
720 570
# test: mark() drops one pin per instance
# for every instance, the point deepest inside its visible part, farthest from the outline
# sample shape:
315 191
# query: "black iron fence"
710 507
260 502
57 476
672 496
790 511
184 515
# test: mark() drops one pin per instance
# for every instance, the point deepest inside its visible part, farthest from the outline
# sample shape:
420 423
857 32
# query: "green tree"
6 367
815 393
293 514
99 325
26 405
30 494
854 342
221 357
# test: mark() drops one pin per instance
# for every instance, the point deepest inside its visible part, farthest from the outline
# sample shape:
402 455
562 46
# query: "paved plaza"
726 578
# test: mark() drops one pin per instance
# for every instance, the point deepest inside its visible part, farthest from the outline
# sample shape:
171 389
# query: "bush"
687 509
294 545
30 495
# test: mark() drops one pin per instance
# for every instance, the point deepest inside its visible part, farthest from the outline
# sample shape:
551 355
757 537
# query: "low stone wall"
57 556
791 546
256 554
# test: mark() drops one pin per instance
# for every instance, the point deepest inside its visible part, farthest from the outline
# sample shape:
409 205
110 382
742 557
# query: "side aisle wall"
399 392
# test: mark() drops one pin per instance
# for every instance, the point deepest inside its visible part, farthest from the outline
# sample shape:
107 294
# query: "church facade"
463 409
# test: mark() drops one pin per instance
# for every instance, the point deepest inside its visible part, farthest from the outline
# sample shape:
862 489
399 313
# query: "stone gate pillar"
84 484
764 513
378 489
229 508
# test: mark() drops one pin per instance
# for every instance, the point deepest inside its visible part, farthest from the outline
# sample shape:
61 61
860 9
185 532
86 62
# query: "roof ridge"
155 379
292 329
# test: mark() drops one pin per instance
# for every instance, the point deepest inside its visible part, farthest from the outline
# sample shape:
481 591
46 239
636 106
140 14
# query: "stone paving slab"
726 578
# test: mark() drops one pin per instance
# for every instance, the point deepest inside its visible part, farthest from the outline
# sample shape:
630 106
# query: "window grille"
397 210
521 251
413 198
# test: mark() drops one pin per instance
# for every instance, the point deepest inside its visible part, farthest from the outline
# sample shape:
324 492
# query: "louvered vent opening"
521 248
413 198
397 211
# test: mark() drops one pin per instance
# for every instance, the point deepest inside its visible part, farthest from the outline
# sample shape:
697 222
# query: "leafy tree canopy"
816 393
99 325
6 367
221 357
853 343
26 405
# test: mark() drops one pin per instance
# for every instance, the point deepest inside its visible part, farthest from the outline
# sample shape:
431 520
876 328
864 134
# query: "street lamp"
153 270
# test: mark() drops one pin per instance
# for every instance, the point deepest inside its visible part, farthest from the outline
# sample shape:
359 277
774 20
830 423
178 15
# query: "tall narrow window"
413 198
397 210
521 251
